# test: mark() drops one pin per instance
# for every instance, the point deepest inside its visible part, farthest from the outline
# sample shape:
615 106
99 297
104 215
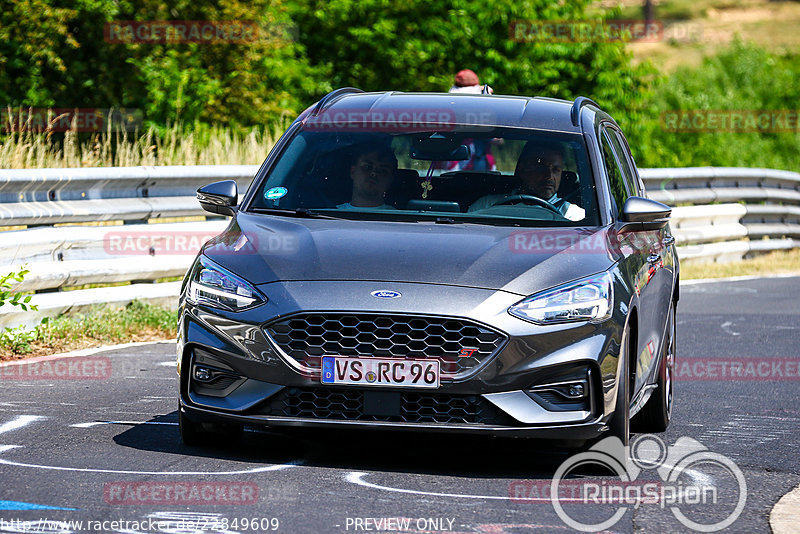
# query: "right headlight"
588 299
215 286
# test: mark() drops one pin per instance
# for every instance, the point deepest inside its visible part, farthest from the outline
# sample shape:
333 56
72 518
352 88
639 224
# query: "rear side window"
616 179
624 159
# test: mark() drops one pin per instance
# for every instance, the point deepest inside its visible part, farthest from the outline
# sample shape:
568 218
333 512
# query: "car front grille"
399 407
459 344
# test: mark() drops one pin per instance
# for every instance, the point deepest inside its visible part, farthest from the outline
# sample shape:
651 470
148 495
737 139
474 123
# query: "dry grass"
778 262
174 145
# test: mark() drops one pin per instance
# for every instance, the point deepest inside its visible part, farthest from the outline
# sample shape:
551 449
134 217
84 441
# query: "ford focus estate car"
435 263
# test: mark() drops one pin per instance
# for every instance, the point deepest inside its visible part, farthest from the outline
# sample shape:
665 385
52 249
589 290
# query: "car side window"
625 160
616 181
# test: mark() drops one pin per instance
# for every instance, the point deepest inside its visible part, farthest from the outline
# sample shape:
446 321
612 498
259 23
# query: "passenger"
539 169
372 172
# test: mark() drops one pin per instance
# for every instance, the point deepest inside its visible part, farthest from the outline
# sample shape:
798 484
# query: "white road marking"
726 327
19 422
356 477
277 467
96 423
4 448
736 279
168 364
153 377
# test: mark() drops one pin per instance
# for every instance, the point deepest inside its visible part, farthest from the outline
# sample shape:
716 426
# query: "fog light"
571 394
202 374
576 391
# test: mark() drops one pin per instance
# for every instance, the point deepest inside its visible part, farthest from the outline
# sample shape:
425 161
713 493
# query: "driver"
539 171
372 172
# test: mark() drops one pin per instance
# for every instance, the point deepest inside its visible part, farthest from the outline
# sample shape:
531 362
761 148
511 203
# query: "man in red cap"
467 82
481 158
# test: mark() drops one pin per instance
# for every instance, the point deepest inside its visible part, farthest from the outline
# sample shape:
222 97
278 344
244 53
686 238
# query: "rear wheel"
656 414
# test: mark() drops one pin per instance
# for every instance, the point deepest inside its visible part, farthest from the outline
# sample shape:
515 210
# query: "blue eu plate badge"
327 370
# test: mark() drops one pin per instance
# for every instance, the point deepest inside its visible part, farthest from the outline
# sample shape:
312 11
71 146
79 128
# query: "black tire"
620 425
192 434
656 414
201 434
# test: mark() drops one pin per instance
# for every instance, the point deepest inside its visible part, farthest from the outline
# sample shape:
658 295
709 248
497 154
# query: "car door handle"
668 240
653 259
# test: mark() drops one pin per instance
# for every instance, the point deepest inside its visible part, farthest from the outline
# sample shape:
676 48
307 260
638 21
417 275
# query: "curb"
785 515
81 352
737 278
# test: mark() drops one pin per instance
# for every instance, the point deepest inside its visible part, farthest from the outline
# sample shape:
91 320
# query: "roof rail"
575 112
331 97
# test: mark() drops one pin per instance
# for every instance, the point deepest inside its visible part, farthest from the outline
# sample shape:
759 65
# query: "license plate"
380 372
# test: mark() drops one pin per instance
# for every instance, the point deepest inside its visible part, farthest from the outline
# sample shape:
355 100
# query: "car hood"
265 249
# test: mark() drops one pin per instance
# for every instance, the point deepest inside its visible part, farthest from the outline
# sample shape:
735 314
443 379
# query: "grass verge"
772 263
107 325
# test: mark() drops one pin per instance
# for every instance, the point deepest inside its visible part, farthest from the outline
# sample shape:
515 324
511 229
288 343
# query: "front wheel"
620 425
656 414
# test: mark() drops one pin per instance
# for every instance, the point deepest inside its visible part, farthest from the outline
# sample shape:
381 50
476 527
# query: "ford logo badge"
386 294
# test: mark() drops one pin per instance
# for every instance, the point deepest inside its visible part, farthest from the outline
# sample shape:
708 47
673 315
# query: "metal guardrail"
718 214
726 213
52 196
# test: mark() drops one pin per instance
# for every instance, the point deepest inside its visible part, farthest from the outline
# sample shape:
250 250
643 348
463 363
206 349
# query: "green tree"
59 57
418 45
741 77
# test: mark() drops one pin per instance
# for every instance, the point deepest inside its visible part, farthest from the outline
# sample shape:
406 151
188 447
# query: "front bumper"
583 431
262 387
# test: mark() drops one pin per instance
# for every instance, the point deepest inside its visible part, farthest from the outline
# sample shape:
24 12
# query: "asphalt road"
98 443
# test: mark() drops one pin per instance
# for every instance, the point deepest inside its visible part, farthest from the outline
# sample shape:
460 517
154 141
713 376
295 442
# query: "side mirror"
640 214
219 198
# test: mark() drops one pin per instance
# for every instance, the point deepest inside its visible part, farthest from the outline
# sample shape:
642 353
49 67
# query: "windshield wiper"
297 212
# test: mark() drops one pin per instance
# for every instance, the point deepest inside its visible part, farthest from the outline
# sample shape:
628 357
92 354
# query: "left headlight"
215 286
588 299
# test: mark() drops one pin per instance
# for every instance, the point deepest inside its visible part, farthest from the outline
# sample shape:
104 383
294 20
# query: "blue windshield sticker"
275 193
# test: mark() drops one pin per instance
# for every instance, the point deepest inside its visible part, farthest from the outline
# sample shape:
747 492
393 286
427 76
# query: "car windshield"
484 175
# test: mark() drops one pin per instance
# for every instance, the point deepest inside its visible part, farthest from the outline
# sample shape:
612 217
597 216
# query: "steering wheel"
528 199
